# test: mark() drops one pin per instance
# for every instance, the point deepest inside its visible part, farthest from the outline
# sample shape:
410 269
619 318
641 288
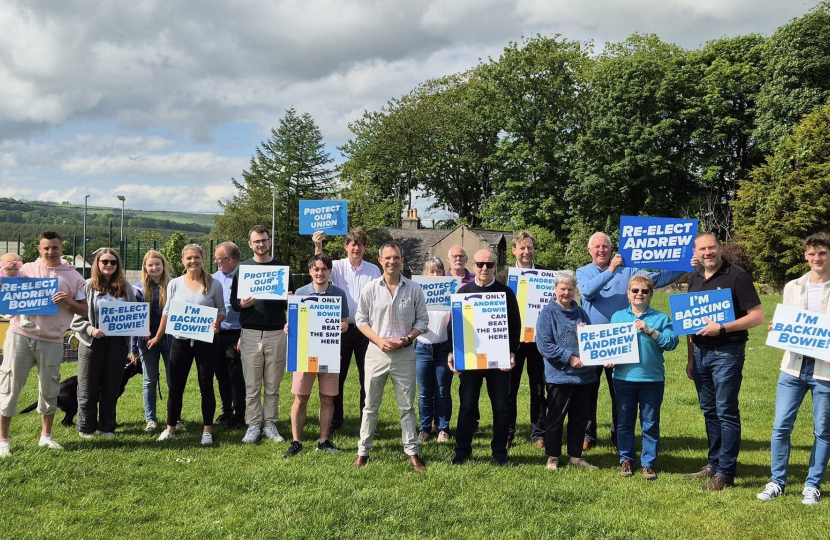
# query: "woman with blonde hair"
195 287
155 275
101 359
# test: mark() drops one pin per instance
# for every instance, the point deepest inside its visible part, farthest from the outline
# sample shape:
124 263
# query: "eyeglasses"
637 291
483 264
462 256
260 242
220 259
107 262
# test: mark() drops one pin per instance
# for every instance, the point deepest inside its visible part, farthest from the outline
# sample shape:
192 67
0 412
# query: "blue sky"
164 102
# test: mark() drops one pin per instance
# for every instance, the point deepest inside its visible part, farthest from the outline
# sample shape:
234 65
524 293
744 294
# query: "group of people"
389 332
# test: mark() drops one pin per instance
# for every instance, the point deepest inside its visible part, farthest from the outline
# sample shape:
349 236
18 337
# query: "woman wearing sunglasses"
640 386
101 359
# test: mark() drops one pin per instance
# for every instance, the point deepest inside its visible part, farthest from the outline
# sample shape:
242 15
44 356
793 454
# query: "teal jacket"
650 368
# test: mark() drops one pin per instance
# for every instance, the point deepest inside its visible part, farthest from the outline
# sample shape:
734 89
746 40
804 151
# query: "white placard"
614 343
124 318
313 334
191 321
480 334
263 282
800 331
534 290
438 290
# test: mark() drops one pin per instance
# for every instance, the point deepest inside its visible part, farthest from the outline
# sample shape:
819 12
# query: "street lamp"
274 210
83 268
122 199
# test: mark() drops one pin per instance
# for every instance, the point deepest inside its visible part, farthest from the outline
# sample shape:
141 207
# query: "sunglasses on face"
107 262
483 264
637 291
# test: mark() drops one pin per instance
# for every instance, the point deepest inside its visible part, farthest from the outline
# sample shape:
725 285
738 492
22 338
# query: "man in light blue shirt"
229 365
603 286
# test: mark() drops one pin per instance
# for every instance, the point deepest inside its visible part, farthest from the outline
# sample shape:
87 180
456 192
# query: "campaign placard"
331 217
659 243
28 296
800 331
191 321
688 310
438 290
614 343
479 331
313 334
263 282
534 290
124 318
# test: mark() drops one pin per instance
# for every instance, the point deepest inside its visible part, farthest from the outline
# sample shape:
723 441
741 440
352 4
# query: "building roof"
494 237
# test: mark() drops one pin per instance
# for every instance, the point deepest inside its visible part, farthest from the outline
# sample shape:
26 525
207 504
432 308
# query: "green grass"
130 487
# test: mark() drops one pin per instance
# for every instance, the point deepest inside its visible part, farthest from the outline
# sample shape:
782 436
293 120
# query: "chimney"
411 221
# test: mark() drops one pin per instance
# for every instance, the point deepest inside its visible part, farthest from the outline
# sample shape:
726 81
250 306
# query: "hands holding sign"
451 364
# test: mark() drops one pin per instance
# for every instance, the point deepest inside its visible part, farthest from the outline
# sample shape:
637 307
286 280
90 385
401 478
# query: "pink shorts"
303 382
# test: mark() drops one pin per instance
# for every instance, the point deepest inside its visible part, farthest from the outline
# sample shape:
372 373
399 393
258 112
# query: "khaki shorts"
303 382
20 355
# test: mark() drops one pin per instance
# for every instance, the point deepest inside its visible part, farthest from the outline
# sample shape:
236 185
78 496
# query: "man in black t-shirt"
716 360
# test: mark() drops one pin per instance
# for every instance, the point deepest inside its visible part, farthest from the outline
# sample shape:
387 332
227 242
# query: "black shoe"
295 448
327 446
459 460
237 422
221 418
335 426
501 461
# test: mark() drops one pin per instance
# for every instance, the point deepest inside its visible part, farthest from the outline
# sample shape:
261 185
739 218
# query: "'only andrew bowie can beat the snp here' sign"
313 334
479 331
534 290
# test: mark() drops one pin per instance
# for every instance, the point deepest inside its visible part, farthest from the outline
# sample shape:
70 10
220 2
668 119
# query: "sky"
165 102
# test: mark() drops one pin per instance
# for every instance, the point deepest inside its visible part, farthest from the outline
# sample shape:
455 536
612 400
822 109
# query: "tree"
172 251
294 164
786 199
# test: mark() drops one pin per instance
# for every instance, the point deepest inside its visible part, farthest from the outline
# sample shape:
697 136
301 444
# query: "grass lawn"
132 487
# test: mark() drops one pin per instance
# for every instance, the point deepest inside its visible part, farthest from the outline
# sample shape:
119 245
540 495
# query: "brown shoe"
649 474
509 444
416 463
705 472
581 463
360 461
625 469
443 437
424 436
539 443
552 464
716 483
587 444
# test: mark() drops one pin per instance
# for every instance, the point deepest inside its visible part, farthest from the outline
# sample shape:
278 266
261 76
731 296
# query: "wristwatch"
722 329
408 341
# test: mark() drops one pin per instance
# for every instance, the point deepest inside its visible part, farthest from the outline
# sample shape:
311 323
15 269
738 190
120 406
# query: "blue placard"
688 310
28 296
658 243
331 217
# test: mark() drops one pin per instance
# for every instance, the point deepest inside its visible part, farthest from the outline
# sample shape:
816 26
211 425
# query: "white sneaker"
49 442
107 434
83 435
810 495
771 491
272 433
165 435
180 426
151 427
207 439
252 435
5 449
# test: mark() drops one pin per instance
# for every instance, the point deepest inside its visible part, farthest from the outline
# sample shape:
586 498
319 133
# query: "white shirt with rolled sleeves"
390 315
353 280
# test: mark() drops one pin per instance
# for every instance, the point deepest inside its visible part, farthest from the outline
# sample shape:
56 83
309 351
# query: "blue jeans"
432 372
791 392
718 374
150 367
647 397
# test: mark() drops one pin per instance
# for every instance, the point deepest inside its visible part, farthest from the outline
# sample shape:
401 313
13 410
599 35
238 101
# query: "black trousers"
498 388
182 354
566 400
528 355
229 374
100 372
352 342
591 431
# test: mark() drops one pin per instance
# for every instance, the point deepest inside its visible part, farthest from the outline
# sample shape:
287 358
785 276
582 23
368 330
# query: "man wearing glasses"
229 365
457 264
262 344
603 285
498 381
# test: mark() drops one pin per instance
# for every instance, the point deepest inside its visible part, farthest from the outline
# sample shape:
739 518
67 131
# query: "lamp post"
83 268
274 210
122 199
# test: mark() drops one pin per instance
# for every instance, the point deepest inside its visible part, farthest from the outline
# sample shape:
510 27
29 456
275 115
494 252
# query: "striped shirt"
391 315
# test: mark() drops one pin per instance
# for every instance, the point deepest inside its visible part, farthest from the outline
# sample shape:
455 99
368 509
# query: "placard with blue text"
688 310
191 321
124 318
479 331
614 343
313 334
331 217
800 331
263 282
438 290
28 296
658 243
534 290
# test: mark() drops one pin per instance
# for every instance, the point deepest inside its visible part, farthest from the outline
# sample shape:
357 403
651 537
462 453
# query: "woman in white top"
434 376
195 287
101 359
